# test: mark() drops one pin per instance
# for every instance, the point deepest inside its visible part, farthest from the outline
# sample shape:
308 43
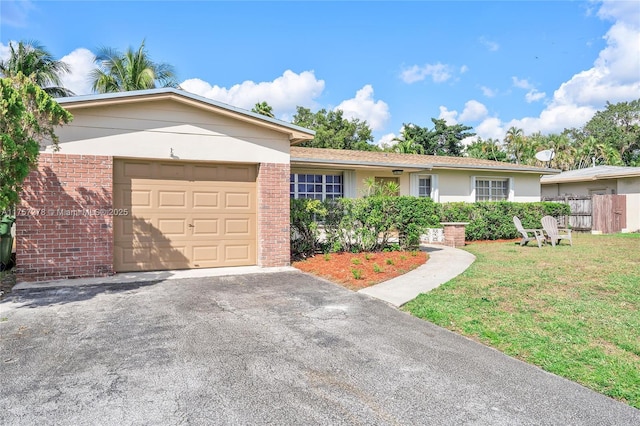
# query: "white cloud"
473 111
490 128
364 107
614 77
439 73
533 95
15 12
522 84
386 140
464 69
80 63
283 94
4 52
492 46
448 116
488 92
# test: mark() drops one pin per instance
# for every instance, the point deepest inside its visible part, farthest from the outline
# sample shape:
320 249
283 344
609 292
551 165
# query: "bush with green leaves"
493 220
305 234
411 218
366 224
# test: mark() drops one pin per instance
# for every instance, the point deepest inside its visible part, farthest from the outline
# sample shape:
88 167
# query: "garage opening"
183 215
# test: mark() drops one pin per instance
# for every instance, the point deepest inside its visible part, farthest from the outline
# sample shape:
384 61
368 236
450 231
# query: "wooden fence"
581 211
603 213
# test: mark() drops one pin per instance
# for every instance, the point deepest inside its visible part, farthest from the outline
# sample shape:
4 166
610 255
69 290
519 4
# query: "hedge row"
366 224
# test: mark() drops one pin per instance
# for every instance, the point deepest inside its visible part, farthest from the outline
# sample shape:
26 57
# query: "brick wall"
64 228
273 215
454 234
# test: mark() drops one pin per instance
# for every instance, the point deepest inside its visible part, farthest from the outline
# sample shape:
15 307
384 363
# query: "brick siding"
64 228
273 215
454 235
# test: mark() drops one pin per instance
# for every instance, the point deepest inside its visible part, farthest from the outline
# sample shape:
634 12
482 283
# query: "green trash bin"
6 240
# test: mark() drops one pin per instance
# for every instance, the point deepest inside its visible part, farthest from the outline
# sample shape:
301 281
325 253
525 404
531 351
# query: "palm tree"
263 108
133 70
515 140
34 61
405 144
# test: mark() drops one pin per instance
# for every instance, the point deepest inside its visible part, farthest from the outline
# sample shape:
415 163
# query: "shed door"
178 215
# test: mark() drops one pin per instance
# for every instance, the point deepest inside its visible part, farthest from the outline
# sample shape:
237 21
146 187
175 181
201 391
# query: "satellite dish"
546 155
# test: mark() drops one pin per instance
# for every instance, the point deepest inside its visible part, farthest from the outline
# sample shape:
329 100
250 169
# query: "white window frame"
510 187
324 183
415 185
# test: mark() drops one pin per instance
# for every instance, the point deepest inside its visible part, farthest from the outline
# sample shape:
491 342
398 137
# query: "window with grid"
424 186
492 189
315 186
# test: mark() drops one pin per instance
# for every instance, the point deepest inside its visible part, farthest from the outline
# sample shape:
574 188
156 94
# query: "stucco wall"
633 212
608 186
162 129
453 185
629 186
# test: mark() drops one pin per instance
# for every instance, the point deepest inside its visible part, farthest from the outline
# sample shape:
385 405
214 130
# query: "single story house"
163 179
322 173
599 180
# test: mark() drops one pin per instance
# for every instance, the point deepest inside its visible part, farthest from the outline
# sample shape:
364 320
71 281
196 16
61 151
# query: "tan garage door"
177 215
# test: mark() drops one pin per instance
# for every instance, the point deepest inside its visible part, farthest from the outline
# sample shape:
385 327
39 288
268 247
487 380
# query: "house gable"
173 126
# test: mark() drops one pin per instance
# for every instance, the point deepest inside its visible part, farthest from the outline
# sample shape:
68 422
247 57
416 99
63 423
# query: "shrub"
304 231
412 216
494 220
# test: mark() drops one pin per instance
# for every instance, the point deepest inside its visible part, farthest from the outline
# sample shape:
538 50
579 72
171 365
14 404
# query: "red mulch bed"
356 270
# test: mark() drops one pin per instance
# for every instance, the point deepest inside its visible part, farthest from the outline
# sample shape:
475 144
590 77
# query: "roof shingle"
327 156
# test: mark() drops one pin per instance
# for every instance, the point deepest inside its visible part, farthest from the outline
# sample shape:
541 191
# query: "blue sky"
541 66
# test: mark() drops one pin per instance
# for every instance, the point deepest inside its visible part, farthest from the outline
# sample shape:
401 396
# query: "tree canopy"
28 117
34 61
263 108
335 131
441 140
132 70
489 149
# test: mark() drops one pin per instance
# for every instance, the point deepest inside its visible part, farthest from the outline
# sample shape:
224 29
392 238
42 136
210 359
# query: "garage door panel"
173 171
141 198
133 169
172 227
152 256
126 228
207 172
237 227
237 252
202 199
240 173
206 255
205 227
184 215
172 199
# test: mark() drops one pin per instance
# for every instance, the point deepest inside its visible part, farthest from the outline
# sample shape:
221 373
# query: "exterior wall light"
397 171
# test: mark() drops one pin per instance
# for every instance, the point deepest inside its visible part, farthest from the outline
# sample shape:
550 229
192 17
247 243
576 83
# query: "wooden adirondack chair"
555 234
536 234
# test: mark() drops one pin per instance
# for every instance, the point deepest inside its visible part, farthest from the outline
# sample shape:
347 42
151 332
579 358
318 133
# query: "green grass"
573 311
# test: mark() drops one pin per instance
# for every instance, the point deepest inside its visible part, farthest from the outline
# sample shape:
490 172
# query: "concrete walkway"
444 264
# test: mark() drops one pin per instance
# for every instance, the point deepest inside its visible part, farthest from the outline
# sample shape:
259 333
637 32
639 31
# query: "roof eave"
559 179
497 168
359 164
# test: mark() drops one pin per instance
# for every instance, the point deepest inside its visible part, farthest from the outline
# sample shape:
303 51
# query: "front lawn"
573 311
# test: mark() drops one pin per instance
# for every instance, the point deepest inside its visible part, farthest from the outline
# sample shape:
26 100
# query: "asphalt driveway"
280 348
